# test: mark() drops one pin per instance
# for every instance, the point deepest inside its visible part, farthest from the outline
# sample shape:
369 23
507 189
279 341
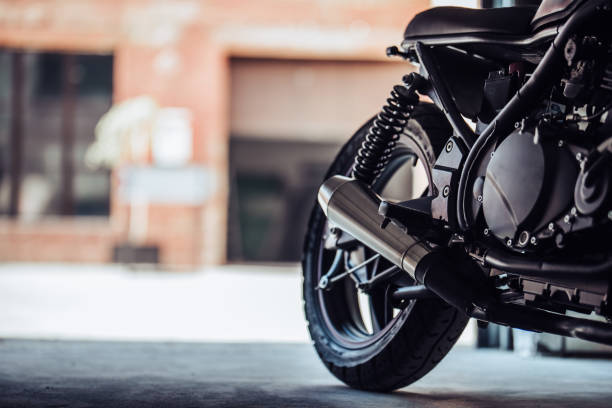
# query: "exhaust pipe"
353 207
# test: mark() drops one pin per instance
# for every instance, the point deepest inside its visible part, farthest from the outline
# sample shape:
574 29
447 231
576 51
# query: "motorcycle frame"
547 71
542 79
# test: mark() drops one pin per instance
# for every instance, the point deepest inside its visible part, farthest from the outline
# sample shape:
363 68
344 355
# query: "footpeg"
414 217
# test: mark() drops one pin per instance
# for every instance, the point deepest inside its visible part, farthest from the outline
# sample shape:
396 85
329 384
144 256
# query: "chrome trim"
353 207
326 191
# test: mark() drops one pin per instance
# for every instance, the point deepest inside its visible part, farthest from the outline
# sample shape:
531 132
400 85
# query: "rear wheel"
365 338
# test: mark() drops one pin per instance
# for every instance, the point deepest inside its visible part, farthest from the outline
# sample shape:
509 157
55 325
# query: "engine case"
528 183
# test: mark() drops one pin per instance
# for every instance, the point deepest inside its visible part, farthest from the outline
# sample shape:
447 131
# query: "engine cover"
527 185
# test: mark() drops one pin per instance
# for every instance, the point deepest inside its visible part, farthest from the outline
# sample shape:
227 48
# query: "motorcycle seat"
444 21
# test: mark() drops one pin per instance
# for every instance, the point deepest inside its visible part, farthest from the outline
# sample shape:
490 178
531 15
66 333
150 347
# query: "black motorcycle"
513 223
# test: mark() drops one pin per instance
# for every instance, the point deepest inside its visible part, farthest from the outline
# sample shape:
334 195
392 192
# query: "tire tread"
432 327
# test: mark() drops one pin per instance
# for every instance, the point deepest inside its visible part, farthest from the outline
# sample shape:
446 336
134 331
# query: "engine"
529 183
543 195
545 190
550 179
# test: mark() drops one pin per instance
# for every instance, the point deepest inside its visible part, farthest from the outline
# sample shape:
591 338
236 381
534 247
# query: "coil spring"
380 141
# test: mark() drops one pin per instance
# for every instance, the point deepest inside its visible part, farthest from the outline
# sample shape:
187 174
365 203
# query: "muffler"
448 273
353 207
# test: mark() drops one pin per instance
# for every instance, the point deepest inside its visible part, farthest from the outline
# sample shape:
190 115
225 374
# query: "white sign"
190 185
172 138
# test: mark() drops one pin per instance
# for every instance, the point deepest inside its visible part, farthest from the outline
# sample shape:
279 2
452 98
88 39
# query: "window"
289 119
49 106
273 189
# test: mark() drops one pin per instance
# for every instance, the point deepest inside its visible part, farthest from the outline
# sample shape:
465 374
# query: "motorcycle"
508 127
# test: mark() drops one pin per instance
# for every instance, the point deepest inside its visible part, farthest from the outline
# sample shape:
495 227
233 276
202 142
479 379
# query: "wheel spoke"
381 307
377 311
356 285
353 309
388 305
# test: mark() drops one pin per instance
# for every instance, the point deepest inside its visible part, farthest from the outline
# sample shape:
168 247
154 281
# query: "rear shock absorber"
376 149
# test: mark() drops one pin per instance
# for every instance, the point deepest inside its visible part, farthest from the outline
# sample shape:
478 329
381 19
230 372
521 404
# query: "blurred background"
159 159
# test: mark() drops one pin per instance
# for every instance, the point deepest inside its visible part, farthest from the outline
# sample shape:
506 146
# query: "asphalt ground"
142 374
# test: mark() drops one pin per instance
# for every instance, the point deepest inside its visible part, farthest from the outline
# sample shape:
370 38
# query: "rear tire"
422 333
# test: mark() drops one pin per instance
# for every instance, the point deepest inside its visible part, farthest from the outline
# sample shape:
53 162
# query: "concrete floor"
112 302
233 303
115 374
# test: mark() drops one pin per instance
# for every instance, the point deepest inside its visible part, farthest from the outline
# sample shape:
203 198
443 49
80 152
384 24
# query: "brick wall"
178 53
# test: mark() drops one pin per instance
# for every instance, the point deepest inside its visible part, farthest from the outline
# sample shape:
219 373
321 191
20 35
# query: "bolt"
560 240
492 153
536 136
573 211
509 242
517 125
446 191
449 146
363 286
479 198
482 324
408 79
579 156
523 238
323 282
551 226
567 219
560 143
533 240
486 231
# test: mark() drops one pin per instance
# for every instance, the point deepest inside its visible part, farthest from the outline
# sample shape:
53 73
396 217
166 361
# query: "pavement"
233 303
256 303
235 336
131 374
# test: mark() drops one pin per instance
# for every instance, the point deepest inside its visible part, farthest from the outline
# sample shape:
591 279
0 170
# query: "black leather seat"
458 20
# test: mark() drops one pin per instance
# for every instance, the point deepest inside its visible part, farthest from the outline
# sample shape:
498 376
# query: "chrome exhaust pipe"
353 207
